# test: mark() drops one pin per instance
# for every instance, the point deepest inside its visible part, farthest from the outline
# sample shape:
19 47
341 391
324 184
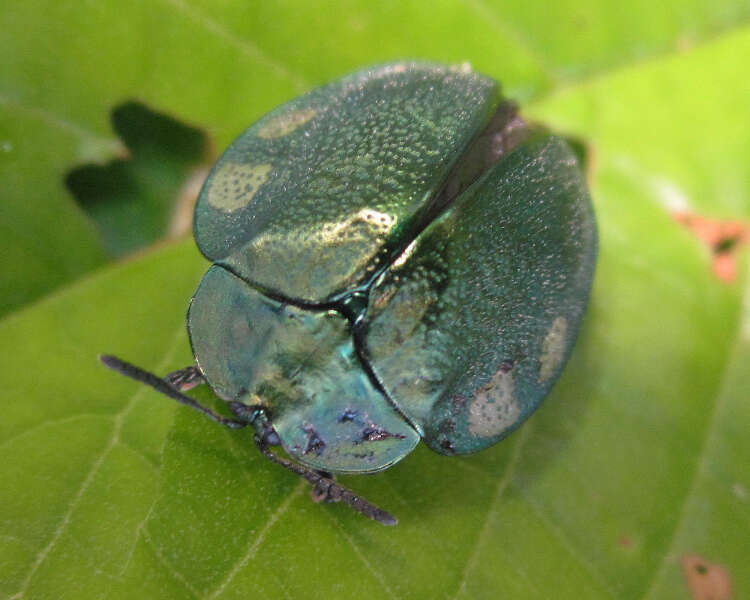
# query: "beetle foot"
161 386
320 491
185 379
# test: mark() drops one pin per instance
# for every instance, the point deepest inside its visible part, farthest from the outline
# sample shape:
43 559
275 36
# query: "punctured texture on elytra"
397 254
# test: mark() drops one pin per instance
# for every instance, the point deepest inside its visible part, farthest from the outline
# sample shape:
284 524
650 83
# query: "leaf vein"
565 542
40 424
168 566
363 559
701 458
591 77
259 539
502 484
58 122
67 517
243 45
512 33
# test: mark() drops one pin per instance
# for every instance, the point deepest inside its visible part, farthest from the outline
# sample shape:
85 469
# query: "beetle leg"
165 388
320 493
185 379
327 488
255 415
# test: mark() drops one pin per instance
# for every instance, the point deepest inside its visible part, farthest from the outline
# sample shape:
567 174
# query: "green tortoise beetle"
396 255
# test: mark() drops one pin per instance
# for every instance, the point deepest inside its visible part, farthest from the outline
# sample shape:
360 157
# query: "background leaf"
638 458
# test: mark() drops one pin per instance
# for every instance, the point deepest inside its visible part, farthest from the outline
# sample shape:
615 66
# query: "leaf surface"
638 459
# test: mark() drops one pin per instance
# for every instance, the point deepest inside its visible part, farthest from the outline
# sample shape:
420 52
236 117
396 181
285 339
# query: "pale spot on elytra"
234 185
285 123
707 581
553 348
494 407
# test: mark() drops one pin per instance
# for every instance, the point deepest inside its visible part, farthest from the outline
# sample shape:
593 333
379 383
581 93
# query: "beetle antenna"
125 368
328 487
323 485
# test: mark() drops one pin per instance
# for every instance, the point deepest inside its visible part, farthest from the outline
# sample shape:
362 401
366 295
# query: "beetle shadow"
425 482
426 487
558 420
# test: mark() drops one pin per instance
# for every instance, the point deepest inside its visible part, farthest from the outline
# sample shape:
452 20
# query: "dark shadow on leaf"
581 150
427 483
132 201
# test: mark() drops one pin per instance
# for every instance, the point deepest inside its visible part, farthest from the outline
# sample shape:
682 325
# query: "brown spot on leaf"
723 238
684 43
740 491
626 541
707 581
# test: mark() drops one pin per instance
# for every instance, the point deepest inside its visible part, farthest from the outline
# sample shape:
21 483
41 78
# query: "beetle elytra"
397 256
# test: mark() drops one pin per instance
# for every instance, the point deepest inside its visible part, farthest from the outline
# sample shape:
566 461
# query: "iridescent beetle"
396 255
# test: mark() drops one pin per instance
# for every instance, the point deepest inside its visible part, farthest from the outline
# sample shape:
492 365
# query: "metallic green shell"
472 325
315 196
451 317
301 366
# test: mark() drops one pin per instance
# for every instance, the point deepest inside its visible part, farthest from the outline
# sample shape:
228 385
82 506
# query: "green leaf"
637 459
64 67
82 448
45 240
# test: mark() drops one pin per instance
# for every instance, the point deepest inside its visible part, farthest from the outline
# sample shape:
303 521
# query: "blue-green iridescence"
379 278
309 200
468 332
301 366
